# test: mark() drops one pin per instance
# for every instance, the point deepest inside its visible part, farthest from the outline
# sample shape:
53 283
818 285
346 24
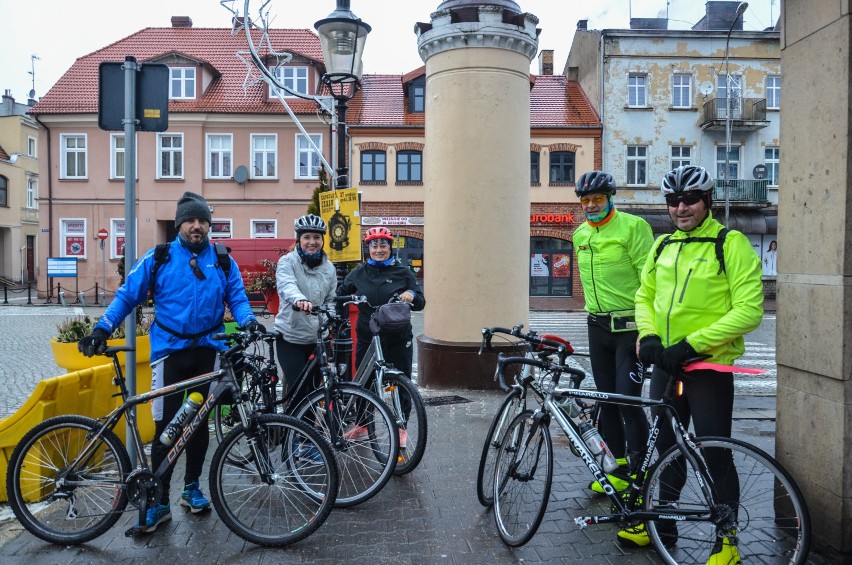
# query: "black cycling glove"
255 327
650 347
673 357
93 343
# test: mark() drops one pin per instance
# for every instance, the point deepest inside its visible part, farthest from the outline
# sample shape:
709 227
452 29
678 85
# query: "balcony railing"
746 113
742 191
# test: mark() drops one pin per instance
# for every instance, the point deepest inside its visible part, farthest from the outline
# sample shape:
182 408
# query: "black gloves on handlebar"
672 358
255 327
650 347
94 343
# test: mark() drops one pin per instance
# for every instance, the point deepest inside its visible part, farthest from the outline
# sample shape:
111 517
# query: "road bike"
701 492
70 478
358 425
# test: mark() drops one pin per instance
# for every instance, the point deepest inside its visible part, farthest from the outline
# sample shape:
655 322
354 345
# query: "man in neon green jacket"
700 293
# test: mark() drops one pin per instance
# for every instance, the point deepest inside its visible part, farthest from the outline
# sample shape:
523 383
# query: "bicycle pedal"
135 531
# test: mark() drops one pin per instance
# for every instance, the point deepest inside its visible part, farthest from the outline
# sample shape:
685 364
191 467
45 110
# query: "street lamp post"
342 36
741 7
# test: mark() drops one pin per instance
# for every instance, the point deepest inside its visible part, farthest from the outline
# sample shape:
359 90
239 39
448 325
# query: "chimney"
582 25
718 16
649 23
181 21
573 73
545 62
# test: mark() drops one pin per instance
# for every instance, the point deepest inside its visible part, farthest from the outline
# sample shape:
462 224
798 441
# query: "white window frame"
255 224
77 232
773 164
80 152
117 229
306 154
32 192
640 156
733 163
184 79
220 233
637 90
117 153
32 147
268 151
220 155
681 155
296 78
773 92
175 153
722 92
681 90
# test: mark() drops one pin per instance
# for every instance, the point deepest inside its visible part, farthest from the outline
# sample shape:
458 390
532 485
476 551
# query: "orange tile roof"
555 101
216 48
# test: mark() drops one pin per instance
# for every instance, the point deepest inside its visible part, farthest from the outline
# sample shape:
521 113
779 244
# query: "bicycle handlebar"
562 348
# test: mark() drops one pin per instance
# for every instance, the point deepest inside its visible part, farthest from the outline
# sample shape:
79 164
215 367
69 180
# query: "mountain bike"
358 425
678 498
70 478
538 347
393 386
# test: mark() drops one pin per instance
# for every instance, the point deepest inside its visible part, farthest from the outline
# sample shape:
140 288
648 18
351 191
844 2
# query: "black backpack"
162 256
719 240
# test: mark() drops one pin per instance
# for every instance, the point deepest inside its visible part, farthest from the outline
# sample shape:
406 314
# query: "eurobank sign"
567 218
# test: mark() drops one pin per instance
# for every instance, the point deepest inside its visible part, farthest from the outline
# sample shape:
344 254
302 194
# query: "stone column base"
450 364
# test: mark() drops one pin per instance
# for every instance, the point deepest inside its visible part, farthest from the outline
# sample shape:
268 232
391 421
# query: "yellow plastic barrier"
88 392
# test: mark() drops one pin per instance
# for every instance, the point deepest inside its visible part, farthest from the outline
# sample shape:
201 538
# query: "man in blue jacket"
190 289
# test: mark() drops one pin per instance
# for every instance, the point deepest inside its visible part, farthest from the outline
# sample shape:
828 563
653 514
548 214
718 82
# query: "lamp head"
741 8
342 36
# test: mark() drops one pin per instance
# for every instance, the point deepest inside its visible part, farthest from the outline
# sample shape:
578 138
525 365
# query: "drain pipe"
49 201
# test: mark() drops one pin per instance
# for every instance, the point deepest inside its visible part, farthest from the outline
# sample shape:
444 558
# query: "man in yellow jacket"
700 292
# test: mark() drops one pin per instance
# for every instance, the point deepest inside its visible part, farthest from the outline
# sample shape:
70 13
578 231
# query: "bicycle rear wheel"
522 479
769 523
401 397
299 494
62 505
512 405
365 438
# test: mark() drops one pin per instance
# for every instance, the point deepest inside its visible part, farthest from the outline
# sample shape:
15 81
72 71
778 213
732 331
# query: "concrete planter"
69 358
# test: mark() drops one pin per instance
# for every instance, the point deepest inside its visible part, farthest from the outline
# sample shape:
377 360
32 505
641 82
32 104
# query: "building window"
374 166
117 238
681 90
773 91
681 155
417 96
32 147
264 156
294 78
636 95
550 266
264 228
74 156
32 192
182 83
221 227
535 167
220 155
733 162
637 165
736 95
72 233
772 158
561 167
170 156
409 166
4 192
116 159
307 159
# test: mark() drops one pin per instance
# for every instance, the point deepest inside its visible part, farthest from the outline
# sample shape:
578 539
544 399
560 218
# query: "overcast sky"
60 31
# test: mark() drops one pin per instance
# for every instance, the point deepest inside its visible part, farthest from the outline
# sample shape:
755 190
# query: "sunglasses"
379 243
596 199
689 198
199 274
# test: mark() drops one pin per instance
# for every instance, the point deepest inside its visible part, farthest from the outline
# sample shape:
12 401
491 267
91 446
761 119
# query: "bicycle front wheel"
767 523
363 435
511 406
62 504
401 396
287 495
522 479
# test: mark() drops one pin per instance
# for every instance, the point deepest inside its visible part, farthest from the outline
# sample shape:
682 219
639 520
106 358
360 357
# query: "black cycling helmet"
685 178
594 182
309 223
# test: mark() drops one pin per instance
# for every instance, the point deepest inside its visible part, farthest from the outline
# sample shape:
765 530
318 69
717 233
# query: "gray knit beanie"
190 206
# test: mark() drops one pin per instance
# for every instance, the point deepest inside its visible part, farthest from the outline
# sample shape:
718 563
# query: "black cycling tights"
616 369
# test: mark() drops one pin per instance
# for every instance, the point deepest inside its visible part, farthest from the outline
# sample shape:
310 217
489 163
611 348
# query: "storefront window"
550 266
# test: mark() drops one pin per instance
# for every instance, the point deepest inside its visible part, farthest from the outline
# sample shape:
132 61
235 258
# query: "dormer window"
182 83
294 78
417 96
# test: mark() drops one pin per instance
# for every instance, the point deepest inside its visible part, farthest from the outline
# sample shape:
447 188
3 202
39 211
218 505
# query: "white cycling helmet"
309 223
687 177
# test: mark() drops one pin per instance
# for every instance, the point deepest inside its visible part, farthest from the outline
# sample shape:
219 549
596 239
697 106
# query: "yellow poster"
339 209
